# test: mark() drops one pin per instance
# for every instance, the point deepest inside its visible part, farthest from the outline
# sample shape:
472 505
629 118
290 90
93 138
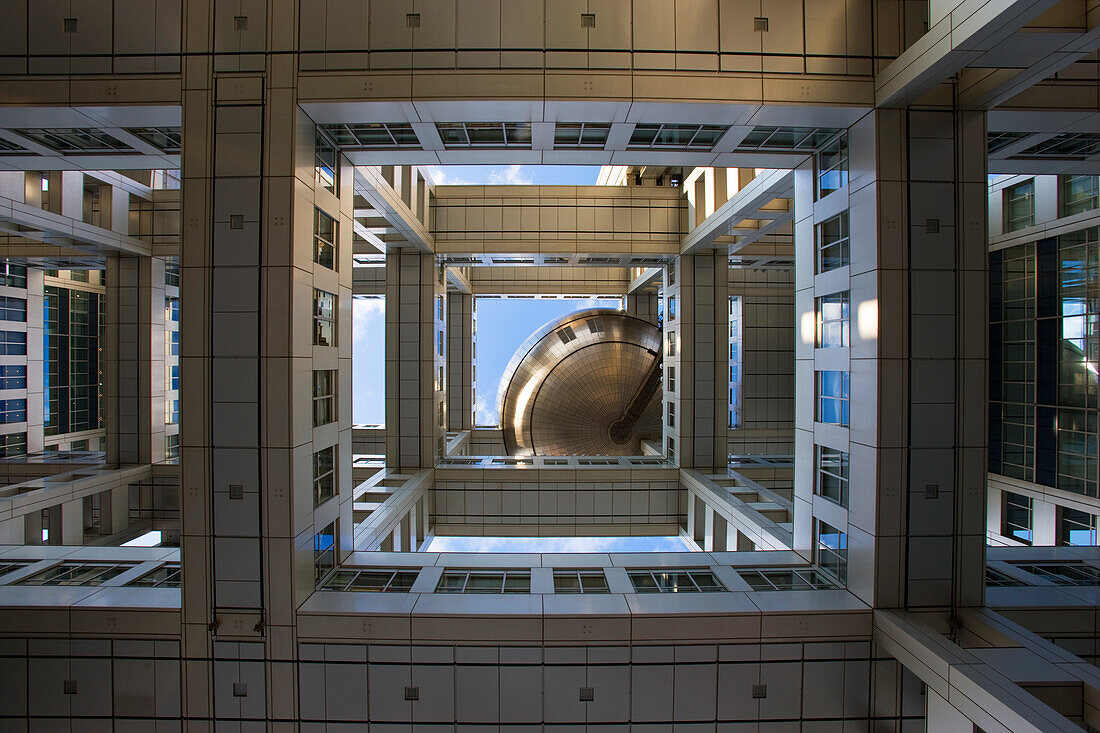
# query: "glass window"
172 343
831 163
684 137
1019 206
327 164
13 376
485 581
13 309
671 343
324 396
832 475
1079 193
12 411
671 414
324 475
766 579
675 581
832 551
172 446
171 309
579 581
13 342
324 239
833 321
1017 517
832 397
1076 528
671 451
13 276
672 379
580 134
373 580
671 308
13 444
1062 573
324 318
74 573
832 243
166 576
172 274
172 377
171 411
324 553
484 134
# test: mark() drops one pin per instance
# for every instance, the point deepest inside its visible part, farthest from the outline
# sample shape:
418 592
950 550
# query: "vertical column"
460 361
696 344
415 352
642 305
267 293
890 425
134 370
37 362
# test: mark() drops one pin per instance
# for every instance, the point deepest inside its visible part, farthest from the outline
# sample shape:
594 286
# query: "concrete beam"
745 204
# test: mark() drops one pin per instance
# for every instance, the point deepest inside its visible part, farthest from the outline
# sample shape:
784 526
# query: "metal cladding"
585 384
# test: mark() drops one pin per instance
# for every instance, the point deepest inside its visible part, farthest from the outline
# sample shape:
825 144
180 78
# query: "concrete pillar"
915 275
459 372
135 349
36 360
72 194
696 330
642 305
14 531
415 351
942 717
120 211
72 522
120 508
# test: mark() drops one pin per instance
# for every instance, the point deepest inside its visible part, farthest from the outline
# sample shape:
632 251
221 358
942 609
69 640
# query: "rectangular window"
13 343
831 163
13 276
580 134
671 343
327 164
439 341
672 379
832 243
324 553
13 411
832 397
786 579
1019 206
13 376
13 309
171 343
172 274
1079 194
672 414
439 308
324 397
324 239
172 377
832 475
672 308
171 412
675 581
580 581
324 475
485 134
324 318
671 452
171 309
736 353
676 136
172 446
1017 517
833 321
13 444
832 551
378 581
485 581
1076 528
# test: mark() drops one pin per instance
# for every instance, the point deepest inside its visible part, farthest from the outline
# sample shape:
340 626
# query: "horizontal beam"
758 193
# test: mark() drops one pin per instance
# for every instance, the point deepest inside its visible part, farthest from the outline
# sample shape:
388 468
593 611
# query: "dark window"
1017 517
832 243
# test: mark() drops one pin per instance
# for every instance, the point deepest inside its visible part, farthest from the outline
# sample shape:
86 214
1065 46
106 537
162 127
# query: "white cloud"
484 414
440 177
367 315
513 175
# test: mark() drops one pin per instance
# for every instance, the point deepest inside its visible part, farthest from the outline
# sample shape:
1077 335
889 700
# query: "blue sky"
368 362
501 175
504 324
